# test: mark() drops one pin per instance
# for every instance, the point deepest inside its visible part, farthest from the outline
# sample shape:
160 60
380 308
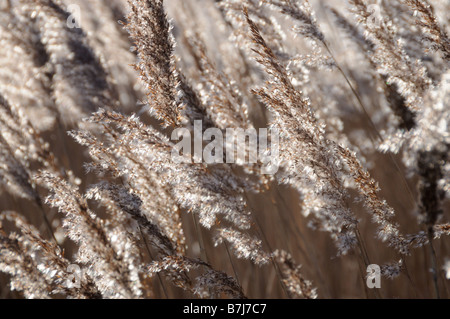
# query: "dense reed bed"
95 96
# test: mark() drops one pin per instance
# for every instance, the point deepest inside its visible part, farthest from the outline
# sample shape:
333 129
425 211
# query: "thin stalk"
232 264
275 265
434 266
362 274
366 114
409 277
365 257
310 252
151 257
46 221
201 242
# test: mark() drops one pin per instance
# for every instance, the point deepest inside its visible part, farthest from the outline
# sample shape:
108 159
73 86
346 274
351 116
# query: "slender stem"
46 221
275 265
434 267
151 257
362 274
365 257
310 252
409 277
378 135
201 242
232 264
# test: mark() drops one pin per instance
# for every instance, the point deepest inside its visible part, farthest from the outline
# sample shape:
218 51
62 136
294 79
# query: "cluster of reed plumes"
92 204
